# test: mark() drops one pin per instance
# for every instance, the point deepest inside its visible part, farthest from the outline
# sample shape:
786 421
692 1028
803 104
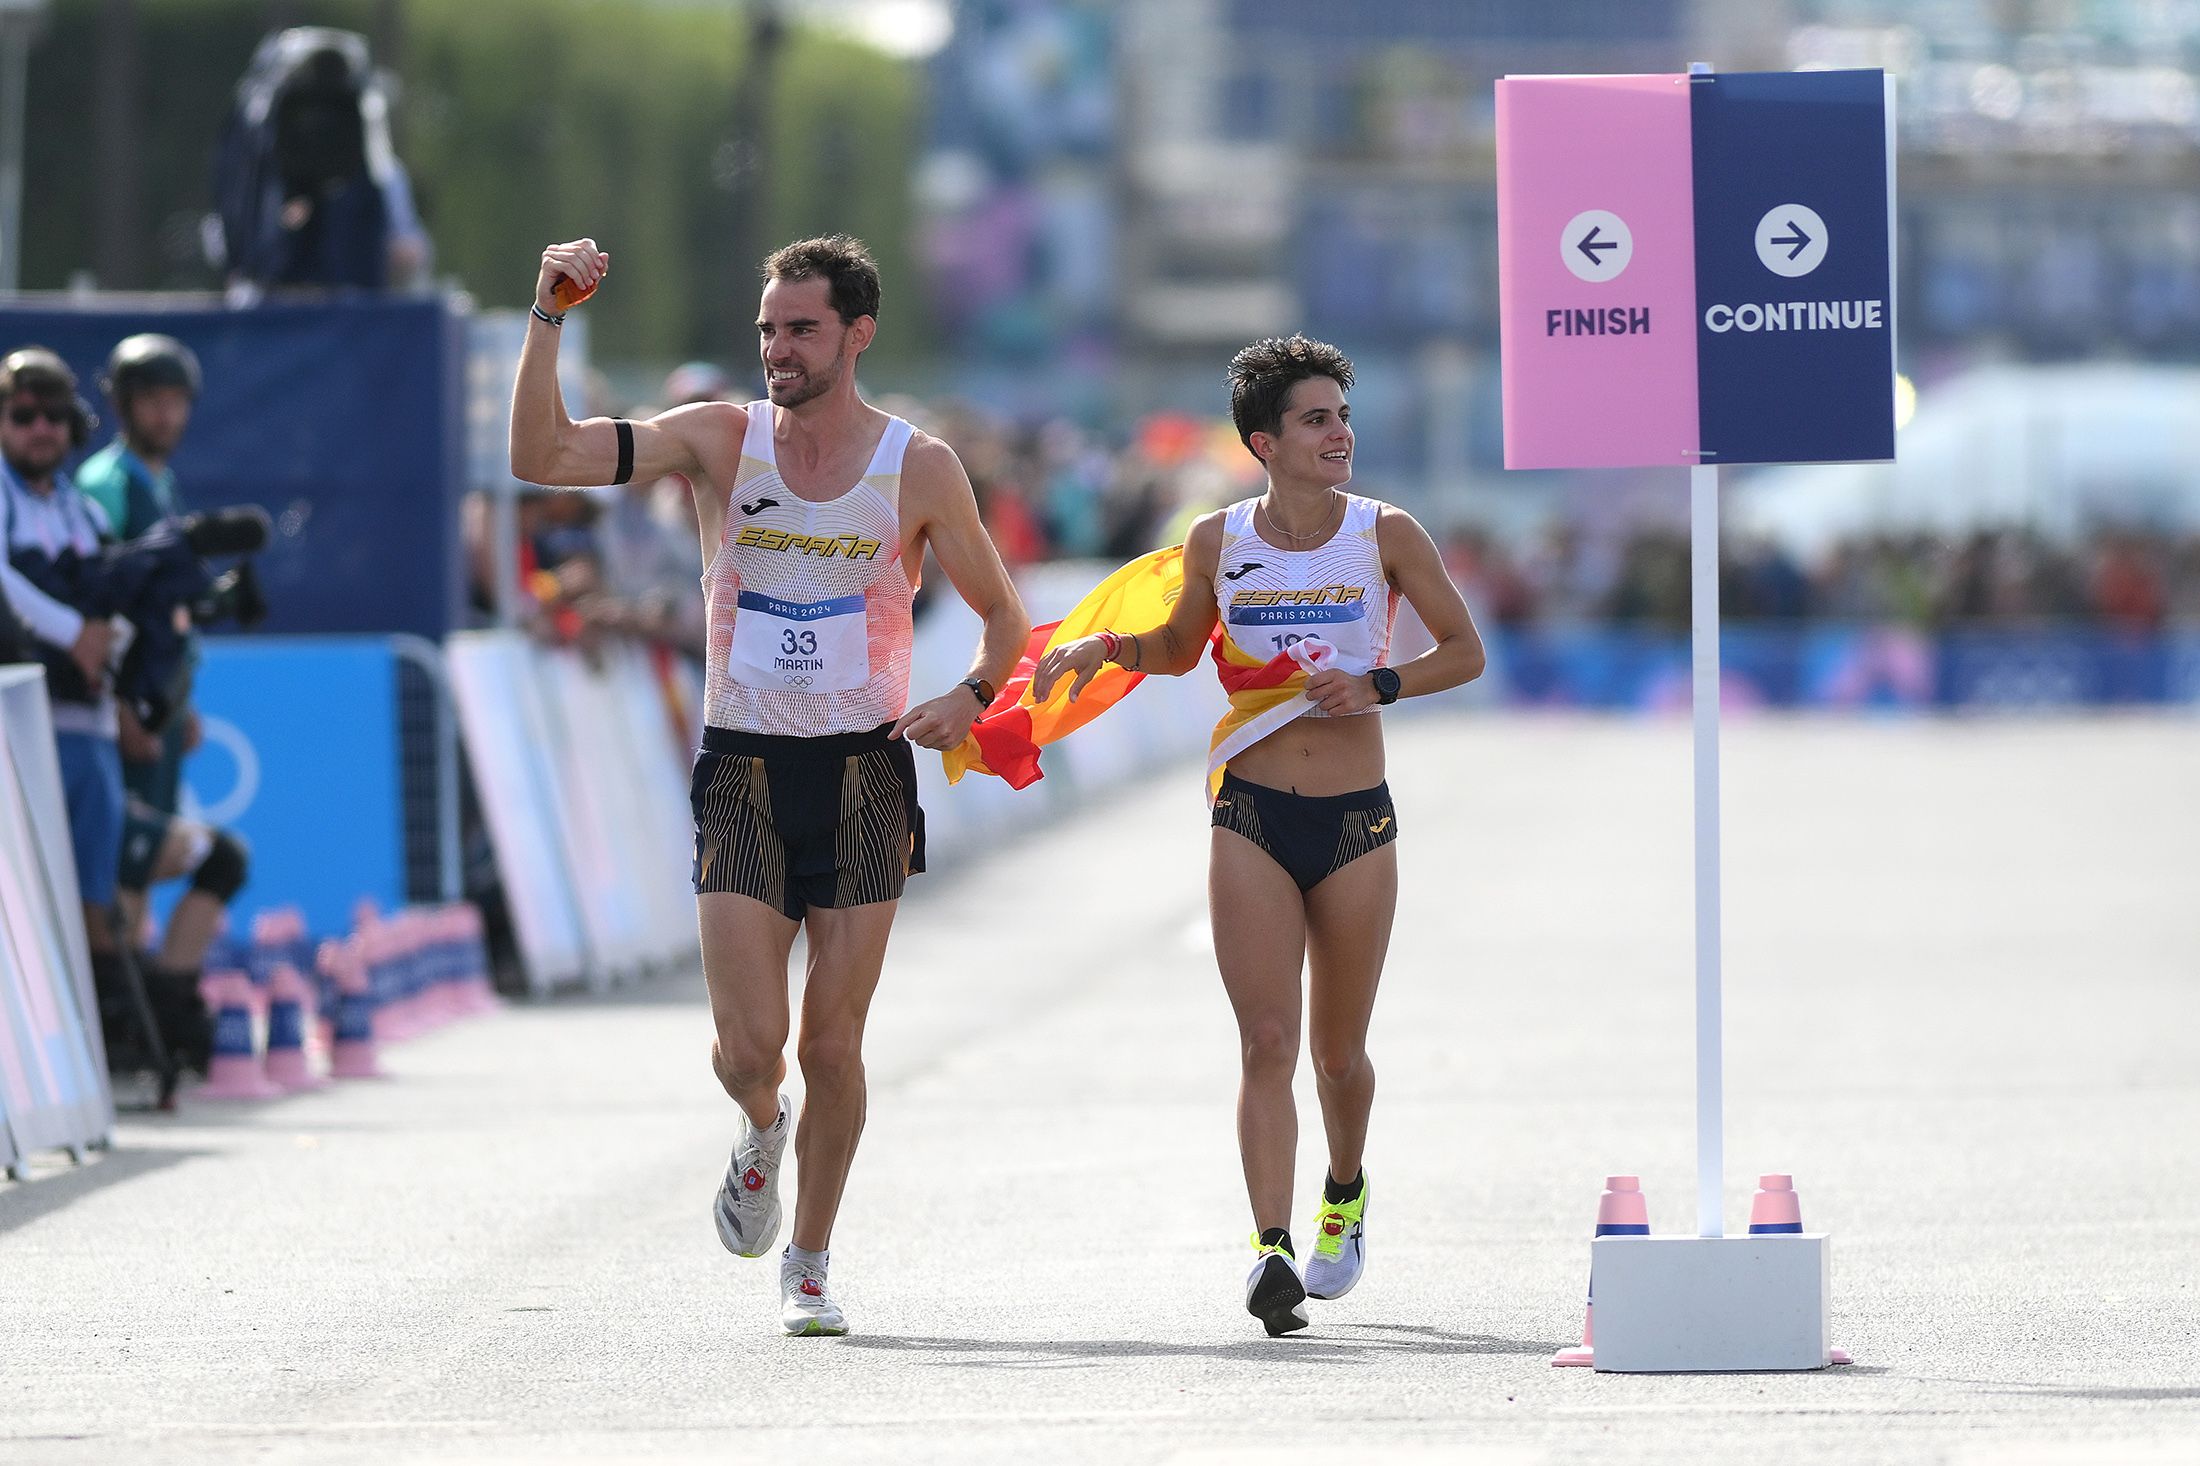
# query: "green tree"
522 122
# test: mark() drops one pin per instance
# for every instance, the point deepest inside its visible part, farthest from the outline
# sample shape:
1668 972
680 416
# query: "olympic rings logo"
802 680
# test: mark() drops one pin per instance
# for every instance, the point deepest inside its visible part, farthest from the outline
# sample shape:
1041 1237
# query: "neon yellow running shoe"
1340 1246
1274 1292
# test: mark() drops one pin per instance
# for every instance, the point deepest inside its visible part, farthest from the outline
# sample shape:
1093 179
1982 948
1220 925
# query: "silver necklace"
1315 533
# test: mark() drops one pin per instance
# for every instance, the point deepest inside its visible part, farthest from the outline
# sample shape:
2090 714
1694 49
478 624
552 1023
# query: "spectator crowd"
628 560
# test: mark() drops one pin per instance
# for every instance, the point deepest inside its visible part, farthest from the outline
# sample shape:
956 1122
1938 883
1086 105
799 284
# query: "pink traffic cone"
436 959
472 960
1621 1212
354 1055
1775 1210
370 936
327 958
1775 1207
234 1072
289 1019
402 1006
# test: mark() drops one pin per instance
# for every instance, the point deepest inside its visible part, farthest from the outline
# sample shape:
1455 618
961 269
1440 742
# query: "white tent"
2056 448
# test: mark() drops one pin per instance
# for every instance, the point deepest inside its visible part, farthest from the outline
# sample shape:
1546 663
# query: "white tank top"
809 603
1269 598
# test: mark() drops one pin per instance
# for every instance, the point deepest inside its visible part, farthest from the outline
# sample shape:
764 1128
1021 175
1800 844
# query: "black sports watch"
983 688
1386 685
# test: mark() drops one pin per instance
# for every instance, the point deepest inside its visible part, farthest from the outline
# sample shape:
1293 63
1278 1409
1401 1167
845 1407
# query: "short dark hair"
1262 375
841 261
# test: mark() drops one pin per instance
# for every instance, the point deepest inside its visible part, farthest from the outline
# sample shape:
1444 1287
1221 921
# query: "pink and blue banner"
1696 269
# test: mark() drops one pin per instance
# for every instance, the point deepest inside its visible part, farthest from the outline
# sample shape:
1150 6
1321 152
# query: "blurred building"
1019 206
1150 184
2049 170
1292 164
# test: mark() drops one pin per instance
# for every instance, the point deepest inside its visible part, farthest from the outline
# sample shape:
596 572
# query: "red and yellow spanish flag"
1263 696
1006 741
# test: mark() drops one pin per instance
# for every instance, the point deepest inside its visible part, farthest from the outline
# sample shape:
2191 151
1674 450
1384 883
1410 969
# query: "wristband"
1110 644
545 317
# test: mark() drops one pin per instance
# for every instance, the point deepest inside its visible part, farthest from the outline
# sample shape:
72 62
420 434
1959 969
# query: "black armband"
625 431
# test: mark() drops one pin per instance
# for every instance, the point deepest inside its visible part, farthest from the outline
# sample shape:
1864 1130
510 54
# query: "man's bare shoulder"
930 467
929 454
711 419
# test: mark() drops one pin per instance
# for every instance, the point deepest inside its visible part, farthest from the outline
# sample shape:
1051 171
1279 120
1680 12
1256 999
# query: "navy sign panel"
1794 266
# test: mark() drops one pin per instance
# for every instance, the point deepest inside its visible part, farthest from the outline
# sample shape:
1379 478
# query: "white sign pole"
1703 615
1710 1011
1703 551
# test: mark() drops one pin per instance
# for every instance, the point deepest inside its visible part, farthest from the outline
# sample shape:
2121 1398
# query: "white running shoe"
809 1311
1340 1246
1274 1292
747 1204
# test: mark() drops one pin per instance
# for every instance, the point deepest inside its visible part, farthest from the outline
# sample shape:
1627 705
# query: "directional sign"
1599 341
1726 295
1794 291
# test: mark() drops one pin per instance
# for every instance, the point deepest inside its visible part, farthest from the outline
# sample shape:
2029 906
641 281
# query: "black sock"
1338 1192
1278 1237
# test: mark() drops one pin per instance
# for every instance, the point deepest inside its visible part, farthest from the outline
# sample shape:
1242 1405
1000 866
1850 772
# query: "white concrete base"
1712 1303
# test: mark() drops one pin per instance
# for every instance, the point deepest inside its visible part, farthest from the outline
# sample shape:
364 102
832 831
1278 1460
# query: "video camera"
162 587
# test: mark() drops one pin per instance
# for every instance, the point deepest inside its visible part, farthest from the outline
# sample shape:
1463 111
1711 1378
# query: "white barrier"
584 788
504 728
53 1070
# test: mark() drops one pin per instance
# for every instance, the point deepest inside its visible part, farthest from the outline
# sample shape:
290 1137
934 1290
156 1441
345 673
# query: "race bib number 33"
799 646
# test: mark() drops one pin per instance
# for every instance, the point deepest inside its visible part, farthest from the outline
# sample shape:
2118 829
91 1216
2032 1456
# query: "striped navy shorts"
802 822
1312 836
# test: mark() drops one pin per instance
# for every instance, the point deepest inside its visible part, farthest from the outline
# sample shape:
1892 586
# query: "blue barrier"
344 418
1850 666
301 757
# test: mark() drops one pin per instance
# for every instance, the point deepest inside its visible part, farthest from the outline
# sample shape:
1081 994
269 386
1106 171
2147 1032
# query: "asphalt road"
1963 989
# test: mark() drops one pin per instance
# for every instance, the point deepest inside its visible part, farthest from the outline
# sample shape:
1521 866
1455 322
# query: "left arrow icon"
1596 245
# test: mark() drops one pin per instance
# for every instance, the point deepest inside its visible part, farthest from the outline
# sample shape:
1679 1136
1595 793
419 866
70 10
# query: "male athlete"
815 510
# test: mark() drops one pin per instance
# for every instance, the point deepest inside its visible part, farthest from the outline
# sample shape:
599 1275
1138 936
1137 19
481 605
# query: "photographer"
154 382
53 538
64 584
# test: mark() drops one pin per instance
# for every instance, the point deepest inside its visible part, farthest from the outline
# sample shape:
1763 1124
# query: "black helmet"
41 372
139 363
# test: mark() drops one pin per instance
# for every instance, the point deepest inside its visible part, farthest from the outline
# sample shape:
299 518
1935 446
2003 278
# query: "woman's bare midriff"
1317 756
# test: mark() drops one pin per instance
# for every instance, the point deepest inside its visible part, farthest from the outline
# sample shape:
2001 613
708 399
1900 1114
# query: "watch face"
1386 684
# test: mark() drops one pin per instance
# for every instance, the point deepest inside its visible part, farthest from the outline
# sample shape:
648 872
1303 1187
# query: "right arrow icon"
1791 240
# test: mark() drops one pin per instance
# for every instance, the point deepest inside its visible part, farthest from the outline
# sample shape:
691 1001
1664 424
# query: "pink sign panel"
1596 254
